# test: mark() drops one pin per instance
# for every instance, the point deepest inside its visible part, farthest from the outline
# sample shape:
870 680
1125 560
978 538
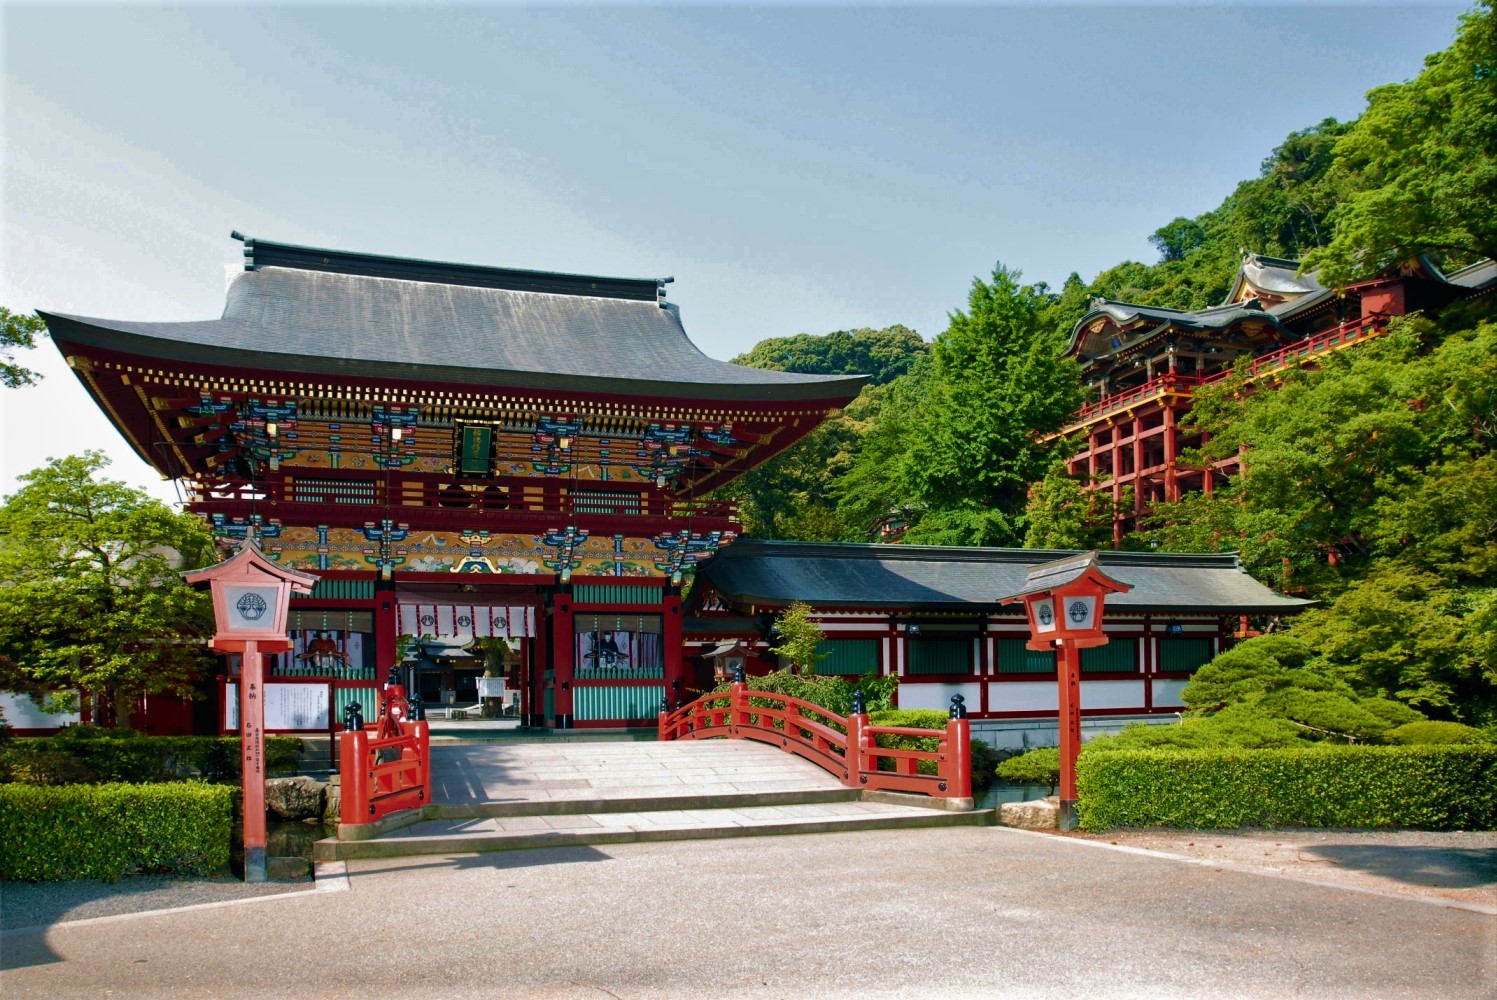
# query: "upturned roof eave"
85 331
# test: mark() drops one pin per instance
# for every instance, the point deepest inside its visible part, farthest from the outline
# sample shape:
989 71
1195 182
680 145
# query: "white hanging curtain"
467 621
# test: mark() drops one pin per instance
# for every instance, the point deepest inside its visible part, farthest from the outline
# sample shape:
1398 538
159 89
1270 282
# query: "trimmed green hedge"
89 755
1421 787
105 831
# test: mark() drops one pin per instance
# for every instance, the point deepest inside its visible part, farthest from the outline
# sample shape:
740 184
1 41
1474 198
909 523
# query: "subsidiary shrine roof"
328 312
949 579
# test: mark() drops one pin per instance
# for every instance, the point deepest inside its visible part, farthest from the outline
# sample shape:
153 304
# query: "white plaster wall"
938 696
1112 694
23 713
1024 696
1167 693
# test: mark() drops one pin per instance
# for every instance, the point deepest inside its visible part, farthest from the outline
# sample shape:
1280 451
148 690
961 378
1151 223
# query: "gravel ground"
1459 866
33 904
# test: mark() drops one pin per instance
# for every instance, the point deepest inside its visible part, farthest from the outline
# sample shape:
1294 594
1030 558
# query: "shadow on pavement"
20 950
529 858
1437 867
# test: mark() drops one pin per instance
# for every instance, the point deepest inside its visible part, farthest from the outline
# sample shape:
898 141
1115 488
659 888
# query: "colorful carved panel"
384 546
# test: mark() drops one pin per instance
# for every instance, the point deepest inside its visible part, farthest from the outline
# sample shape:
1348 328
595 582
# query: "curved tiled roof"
1274 275
609 337
1204 320
938 578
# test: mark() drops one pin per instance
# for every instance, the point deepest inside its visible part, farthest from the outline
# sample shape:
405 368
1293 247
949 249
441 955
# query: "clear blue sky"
796 169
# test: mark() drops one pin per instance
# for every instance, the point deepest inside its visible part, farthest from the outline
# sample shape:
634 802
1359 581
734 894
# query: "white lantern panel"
1044 615
1080 612
251 609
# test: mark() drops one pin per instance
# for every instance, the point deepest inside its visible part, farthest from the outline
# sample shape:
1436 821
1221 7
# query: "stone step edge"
581 807
398 847
655 803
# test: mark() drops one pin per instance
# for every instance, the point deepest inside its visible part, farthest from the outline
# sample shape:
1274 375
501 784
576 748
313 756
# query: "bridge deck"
534 772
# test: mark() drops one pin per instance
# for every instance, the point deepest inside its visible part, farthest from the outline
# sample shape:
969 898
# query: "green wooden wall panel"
1120 656
617 702
614 593
1014 658
847 656
1183 655
945 655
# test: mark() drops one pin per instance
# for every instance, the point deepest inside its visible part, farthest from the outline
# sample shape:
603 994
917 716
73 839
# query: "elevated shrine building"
1141 365
459 452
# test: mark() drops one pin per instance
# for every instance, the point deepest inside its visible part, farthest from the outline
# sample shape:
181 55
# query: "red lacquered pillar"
252 746
354 804
1068 666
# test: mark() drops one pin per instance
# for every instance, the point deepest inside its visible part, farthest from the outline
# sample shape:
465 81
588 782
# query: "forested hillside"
1371 483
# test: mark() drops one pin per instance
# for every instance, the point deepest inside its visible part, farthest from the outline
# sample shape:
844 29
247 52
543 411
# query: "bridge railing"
388 770
848 748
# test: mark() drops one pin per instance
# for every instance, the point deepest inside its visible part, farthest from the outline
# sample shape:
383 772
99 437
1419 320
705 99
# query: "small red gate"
389 771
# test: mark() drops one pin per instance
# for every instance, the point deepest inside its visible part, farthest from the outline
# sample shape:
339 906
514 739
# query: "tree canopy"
17 331
998 381
884 355
92 595
1419 167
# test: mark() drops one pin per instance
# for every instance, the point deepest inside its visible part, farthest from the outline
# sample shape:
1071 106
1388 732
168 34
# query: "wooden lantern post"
1063 601
251 596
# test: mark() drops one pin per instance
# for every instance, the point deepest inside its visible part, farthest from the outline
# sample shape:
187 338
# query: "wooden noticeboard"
294 708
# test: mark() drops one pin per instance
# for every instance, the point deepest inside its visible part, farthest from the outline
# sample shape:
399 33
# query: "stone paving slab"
478 773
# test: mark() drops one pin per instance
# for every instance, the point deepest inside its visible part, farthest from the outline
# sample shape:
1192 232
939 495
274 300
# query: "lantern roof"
248 563
1066 573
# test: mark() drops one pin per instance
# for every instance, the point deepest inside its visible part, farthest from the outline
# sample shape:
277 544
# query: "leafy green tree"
999 382
1335 455
1278 679
792 496
874 485
1410 635
1284 211
799 636
1177 238
796 494
1064 514
884 355
18 330
92 596
1419 167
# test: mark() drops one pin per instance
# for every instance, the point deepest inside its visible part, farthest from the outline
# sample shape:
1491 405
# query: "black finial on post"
958 707
738 677
418 710
665 703
353 717
394 677
859 704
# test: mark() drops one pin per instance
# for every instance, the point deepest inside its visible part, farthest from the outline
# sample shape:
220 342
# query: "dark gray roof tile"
296 320
935 578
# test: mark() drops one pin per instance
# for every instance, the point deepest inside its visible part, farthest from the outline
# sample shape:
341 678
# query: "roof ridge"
267 253
904 551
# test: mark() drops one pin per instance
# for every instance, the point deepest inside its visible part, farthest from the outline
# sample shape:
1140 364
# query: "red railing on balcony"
1320 343
824 738
1156 386
357 492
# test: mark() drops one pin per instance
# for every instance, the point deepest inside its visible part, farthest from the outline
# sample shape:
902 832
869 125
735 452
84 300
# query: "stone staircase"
469 828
